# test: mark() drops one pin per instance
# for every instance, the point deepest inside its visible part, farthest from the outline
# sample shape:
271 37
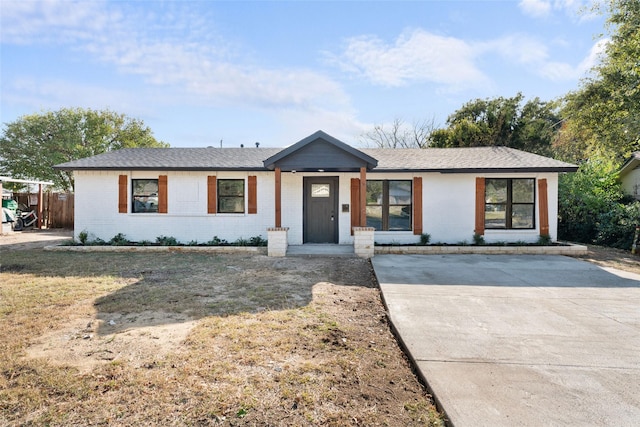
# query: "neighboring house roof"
445 160
631 163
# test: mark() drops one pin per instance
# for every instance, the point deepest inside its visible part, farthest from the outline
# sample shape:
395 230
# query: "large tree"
399 134
602 117
32 144
501 121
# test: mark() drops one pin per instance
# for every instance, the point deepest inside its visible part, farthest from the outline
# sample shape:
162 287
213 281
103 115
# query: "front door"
320 210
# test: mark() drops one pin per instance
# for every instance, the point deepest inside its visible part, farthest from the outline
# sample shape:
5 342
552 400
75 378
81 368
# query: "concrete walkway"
519 340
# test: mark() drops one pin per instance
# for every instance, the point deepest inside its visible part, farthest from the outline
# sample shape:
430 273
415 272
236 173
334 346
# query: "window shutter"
162 194
253 195
355 203
212 197
417 205
278 191
123 206
479 206
543 207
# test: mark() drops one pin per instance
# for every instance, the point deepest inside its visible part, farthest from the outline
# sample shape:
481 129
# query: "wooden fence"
57 208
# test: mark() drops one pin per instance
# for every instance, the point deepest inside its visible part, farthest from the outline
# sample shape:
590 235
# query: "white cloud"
517 48
419 56
415 56
577 9
174 49
51 21
51 94
535 8
563 71
342 125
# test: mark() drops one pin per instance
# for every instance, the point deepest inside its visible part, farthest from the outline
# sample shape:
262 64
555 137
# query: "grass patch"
264 341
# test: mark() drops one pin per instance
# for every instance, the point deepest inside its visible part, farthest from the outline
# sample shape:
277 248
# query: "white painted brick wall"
96 209
448 210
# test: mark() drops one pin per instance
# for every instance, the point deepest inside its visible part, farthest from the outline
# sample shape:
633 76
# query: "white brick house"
319 189
629 175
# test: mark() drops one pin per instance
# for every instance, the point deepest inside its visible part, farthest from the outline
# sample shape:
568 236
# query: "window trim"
386 205
220 196
509 204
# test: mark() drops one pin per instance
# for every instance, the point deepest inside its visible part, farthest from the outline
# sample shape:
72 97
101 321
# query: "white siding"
448 208
187 220
631 183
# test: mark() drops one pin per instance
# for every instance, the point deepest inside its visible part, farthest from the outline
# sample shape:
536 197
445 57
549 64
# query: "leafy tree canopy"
501 121
32 144
602 117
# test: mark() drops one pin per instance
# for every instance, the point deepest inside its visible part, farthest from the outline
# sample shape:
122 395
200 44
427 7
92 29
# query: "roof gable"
320 151
631 163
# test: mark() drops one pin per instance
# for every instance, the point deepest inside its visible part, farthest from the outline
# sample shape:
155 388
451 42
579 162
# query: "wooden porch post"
40 207
363 197
278 198
543 206
480 206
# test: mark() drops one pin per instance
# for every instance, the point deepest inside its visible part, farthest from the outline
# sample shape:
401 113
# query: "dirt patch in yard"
34 239
199 339
613 258
135 338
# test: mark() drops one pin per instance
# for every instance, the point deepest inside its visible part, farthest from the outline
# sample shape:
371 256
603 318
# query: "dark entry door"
320 210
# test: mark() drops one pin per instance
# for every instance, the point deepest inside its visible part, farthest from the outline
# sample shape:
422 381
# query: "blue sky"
197 72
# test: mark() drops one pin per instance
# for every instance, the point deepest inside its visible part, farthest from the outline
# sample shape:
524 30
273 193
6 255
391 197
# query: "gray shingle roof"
630 164
465 159
432 159
176 159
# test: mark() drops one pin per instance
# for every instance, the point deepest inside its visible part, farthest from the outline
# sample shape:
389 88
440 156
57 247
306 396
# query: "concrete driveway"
519 340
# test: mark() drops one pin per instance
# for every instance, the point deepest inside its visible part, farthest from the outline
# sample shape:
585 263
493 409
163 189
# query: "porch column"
543 205
278 198
277 241
363 241
363 196
40 207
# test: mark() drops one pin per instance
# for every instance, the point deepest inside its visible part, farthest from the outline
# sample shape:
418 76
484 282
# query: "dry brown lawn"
197 339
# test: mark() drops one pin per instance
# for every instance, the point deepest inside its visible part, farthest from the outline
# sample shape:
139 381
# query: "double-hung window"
230 196
509 203
144 195
389 205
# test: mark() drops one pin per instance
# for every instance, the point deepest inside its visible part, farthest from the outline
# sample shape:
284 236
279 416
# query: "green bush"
616 228
83 237
478 239
257 241
584 196
544 240
241 242
216 241
424 239
119 240
166 241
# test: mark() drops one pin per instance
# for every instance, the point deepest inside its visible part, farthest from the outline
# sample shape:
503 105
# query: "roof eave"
483 170
630 164
160 168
